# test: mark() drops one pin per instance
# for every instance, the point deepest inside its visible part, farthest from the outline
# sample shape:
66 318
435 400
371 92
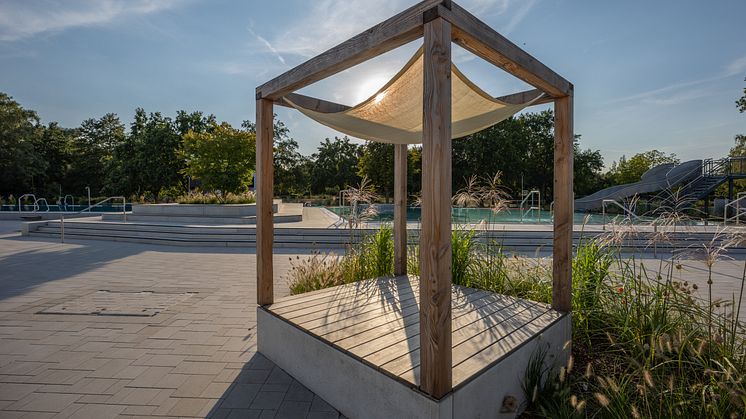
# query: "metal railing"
736 205
62 214
72 201
628 212
35 203
535 205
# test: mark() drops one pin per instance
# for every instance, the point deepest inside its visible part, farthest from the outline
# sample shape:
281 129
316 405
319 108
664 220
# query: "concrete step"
311 237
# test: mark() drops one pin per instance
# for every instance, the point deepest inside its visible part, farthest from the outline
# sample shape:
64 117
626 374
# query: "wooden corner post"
435 240
264 194
563 204
400 209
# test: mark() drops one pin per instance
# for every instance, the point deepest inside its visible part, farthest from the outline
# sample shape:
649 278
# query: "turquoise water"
67 208
476 215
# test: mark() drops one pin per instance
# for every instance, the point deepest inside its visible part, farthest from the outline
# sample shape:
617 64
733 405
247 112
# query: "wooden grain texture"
477 37
380 326
312 103
435 241
392 33
563 204
264 194
400 209
325 106
526 96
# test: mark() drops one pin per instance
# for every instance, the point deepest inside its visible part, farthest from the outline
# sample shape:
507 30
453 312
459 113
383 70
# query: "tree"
335 166
93 150
741 103
222 158
629 171
377 163
522 148
19 162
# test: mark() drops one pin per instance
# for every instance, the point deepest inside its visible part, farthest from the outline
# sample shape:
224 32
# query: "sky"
660 74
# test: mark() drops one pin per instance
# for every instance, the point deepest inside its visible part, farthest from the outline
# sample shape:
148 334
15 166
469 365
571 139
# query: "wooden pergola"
440 22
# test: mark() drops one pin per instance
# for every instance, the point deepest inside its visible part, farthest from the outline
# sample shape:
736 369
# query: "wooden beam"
400 209
563 204
325 106
435 240
392 33
264 194
526 96
308 102
477 37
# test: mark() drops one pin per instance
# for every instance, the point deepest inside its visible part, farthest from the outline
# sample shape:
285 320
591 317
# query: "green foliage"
462 257
19 133
222 158
335 166
629 171
522 148
372 258
377 164
643 345
741 103
212 198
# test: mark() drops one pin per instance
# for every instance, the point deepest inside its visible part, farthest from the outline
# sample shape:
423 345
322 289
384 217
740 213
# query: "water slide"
654 180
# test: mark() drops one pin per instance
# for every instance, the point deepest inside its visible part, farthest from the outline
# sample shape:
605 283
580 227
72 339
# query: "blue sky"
647 74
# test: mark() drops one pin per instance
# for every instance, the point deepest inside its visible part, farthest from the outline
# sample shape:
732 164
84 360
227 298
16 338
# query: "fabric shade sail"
394 113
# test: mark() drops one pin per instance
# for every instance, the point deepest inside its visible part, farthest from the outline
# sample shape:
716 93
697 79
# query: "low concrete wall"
359 391
13 215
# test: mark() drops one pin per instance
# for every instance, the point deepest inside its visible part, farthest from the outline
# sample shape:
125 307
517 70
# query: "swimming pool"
477 215
65 208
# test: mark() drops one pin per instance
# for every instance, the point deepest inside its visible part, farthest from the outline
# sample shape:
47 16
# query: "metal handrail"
35 203
72 201
533 207
62 214
624 208
738 212
709 166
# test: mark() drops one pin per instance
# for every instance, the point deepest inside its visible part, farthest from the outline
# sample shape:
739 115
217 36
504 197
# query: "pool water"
477 215
66 208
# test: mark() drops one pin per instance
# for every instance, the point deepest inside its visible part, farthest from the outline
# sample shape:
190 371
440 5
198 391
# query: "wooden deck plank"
470 337
385 334
378 322
336 308
497 350
327 295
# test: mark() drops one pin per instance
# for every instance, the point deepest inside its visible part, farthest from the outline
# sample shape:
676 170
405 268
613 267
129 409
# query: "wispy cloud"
269 46
685 91
25 19
329 22
517 17
736 67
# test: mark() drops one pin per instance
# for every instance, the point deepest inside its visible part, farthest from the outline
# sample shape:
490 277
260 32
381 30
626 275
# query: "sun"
369 87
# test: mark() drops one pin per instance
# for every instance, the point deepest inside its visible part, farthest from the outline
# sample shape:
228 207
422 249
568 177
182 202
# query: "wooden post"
435 240
563 204
264 191
400 209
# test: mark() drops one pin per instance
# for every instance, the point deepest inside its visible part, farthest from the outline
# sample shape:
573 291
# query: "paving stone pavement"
196 358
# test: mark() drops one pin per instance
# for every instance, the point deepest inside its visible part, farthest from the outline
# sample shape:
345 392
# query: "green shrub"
212 198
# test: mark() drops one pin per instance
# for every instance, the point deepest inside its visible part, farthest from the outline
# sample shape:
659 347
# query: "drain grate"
116 303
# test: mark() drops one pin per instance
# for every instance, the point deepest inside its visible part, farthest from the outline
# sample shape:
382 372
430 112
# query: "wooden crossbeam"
325 106
476 36
387 35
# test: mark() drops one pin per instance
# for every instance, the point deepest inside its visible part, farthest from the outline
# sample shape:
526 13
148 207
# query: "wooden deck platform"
376 323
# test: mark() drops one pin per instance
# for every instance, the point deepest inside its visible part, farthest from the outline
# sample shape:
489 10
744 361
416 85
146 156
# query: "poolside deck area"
371 329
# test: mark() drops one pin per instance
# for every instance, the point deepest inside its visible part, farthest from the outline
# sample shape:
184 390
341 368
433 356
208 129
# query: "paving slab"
92 329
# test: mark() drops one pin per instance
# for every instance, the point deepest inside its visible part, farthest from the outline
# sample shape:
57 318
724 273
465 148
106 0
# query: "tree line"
157 157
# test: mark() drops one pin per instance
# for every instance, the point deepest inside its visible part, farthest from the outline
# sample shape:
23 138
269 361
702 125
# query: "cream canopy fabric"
394 113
